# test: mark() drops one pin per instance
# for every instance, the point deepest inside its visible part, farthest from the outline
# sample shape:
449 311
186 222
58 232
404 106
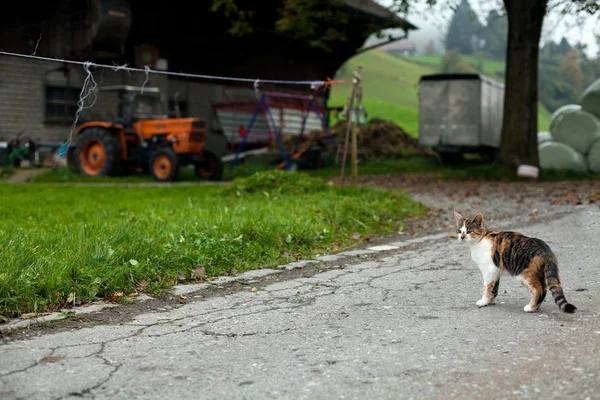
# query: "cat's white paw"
528 308
482 303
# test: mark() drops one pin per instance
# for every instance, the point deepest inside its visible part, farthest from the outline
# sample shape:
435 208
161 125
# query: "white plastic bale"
544 137
579 129
560 112
593 158
559 156
590 101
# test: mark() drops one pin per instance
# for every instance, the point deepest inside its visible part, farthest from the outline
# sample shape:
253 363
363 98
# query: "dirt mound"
376 138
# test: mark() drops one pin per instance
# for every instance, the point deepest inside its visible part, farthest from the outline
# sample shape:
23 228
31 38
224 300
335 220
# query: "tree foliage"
495 34
463 29
319 23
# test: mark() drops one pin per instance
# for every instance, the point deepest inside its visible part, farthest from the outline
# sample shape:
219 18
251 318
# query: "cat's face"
469 230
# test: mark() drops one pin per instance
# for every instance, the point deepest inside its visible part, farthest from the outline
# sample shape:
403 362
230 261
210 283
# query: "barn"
39 97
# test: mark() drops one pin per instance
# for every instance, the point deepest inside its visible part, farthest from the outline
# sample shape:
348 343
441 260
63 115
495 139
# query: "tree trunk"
518 143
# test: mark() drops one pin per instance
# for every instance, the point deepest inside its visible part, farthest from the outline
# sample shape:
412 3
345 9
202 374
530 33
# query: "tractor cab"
138 103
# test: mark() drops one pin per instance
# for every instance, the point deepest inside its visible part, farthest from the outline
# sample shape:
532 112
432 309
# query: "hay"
560 112
590 101
559 156
578 129
593 158
544 137
376 138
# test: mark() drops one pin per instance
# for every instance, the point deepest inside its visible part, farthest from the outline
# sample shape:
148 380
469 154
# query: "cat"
528 259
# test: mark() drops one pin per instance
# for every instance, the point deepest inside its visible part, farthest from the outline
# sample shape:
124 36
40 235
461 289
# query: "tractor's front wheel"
97 152
211 166
164 165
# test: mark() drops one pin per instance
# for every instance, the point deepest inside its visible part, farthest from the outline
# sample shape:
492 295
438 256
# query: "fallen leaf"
71 297
142 285
182 297
254 289
114 297
29 315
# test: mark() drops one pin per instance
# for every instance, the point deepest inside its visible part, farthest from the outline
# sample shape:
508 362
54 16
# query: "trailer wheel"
98 152
211 166
450 158
164 165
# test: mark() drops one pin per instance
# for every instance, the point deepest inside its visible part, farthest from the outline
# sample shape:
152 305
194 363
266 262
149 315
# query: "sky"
432 24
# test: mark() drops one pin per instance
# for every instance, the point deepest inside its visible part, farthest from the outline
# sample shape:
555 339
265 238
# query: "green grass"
543 118
386 78
492 68
93 242
70 174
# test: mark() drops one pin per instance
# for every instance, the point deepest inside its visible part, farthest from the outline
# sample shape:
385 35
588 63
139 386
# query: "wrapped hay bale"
560 112
590 101
559 156
593 158
579 129
544 137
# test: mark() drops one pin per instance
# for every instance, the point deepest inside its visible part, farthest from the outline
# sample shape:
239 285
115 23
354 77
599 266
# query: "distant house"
40 97
400 47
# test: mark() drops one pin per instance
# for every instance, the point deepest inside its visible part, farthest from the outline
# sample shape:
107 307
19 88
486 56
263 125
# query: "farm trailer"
460 113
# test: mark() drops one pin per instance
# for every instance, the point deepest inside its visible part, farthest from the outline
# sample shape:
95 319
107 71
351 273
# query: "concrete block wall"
23 95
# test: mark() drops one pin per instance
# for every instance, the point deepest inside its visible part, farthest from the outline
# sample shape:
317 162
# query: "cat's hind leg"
538 293
491 282
533 279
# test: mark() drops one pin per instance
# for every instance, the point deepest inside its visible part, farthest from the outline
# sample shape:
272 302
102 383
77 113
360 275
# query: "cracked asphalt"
396 324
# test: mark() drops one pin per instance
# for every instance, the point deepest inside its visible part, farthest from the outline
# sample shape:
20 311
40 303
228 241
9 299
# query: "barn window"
61 103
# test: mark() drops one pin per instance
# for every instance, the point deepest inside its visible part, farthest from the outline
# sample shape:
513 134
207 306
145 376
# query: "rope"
147 70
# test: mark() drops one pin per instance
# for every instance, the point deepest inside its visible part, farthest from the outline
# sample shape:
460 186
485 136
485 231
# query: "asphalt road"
402 324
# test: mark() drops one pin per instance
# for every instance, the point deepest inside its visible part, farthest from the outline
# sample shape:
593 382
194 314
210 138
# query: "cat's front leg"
491 282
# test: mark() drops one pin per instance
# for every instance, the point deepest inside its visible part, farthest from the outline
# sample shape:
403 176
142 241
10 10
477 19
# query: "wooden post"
356 113
349 123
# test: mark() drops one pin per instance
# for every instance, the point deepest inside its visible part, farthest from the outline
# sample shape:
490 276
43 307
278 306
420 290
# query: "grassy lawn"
61 243
386 78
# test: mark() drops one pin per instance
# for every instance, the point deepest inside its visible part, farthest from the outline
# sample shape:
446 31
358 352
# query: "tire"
164 165
97 153
450 158
211 166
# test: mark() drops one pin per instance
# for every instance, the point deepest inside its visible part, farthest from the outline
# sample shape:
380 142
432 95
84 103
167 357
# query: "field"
390 88
69 243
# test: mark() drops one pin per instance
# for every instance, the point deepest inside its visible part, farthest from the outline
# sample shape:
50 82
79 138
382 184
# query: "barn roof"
378 11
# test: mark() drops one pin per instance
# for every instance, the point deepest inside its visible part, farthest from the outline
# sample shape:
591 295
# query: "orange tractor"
143 136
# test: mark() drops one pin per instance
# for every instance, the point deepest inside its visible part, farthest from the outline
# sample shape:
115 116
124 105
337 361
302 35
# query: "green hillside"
390 87
391 84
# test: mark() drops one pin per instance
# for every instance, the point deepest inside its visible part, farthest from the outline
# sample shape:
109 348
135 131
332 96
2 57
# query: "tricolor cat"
528 259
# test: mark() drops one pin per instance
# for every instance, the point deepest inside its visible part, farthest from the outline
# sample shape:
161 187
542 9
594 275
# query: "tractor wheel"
164 165
211 166
97 152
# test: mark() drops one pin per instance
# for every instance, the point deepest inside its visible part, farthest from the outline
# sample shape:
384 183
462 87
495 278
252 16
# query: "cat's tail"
555 287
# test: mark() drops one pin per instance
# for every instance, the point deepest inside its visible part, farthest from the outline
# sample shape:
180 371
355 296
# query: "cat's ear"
459 218
478 220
